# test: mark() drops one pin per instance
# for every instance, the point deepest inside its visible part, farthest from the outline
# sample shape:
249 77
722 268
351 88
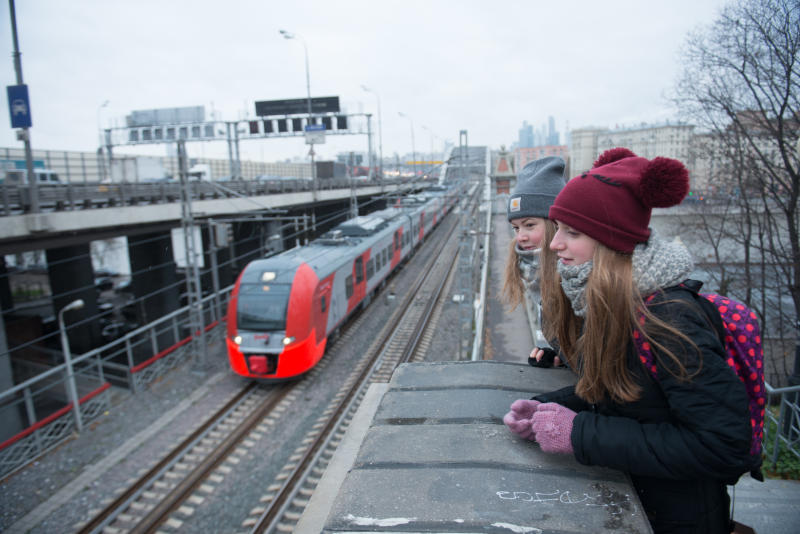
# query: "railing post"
30 410
129 354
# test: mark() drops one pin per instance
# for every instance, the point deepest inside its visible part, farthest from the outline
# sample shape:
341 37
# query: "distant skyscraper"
544 135
552 134
526 135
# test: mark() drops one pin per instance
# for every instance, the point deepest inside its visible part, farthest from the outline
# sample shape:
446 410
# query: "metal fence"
38 404
16 199
785 427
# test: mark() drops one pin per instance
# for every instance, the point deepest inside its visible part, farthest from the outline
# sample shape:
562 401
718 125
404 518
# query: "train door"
321 308
397 247
356 282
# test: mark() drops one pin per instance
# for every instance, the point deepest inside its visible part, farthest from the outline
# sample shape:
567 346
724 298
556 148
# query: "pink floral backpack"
742 341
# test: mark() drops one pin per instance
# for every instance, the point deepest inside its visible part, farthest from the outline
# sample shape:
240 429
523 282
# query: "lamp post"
413 148
289 35
380 131
100 150
71 389
433 157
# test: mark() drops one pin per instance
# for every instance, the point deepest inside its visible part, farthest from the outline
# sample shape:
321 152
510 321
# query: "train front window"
262 307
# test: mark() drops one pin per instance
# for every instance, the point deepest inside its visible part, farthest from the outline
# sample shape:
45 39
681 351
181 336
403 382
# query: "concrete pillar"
154 279
10 419
6 298
72 277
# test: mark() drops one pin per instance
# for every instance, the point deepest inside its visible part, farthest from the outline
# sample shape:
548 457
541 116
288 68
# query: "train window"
359 267
348 286
322 304
262 307
370 268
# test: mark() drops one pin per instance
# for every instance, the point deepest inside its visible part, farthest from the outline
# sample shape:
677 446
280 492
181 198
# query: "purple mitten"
552 426
519 418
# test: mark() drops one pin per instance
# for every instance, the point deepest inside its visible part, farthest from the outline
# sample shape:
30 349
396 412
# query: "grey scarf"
573 282
528 262
660 263
656 264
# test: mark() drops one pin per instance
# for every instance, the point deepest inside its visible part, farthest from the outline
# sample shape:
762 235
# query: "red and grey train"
283 308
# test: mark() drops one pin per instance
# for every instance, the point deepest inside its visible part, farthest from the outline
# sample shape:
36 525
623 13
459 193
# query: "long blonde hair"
596 346
547 274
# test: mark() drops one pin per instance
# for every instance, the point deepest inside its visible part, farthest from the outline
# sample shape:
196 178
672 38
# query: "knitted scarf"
528 262
656 264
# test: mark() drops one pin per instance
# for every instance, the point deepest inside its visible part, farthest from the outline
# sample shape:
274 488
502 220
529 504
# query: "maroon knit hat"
612 202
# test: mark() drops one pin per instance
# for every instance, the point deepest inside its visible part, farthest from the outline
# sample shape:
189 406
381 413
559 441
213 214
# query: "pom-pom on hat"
613 201
538 183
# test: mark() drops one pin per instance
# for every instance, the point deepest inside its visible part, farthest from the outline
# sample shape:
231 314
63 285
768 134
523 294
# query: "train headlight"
267 276
287 340
237 340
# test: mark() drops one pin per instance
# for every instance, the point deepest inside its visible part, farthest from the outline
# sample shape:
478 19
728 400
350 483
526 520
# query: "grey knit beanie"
538 183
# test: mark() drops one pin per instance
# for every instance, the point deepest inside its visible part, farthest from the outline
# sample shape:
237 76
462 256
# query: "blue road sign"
315 127
19 108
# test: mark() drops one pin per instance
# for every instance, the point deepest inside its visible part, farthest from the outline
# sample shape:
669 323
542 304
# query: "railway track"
400 341
175 483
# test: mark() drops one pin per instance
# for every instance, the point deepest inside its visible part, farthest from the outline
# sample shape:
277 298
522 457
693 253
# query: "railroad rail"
149 503
397 343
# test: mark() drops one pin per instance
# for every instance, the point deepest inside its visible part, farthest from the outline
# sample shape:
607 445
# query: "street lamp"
71 389
289 35
380 131
102 141
432 136
413 148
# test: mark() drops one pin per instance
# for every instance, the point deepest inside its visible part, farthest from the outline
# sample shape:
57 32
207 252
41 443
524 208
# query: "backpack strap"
710 311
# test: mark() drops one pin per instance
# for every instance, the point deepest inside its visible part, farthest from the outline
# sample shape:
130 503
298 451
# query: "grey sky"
474 65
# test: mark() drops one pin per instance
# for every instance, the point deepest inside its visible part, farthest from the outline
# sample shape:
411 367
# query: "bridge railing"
73 196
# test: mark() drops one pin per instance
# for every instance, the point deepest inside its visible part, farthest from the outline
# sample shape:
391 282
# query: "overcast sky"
474 65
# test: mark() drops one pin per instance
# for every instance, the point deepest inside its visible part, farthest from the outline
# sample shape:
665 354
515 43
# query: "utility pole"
24 133
192 273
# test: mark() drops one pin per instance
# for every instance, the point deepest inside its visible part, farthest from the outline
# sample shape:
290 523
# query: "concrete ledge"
437 458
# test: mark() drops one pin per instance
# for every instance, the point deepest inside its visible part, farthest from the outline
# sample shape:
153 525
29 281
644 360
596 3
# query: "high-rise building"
552 134
526 139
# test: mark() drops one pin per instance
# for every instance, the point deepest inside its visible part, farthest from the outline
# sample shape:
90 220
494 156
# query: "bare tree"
741 86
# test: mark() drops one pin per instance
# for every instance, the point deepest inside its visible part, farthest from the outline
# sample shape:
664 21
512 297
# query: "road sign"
19 108
297 106
315 134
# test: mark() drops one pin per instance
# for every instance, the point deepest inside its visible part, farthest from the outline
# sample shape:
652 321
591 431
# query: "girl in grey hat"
531 265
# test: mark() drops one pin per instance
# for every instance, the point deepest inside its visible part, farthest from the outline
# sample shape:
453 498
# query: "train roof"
361 225
324 252
333 246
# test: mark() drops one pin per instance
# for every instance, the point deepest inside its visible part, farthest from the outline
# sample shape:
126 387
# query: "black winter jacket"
682 441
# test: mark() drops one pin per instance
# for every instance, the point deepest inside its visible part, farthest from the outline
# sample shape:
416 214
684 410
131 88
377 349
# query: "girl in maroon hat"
530 264
681 437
